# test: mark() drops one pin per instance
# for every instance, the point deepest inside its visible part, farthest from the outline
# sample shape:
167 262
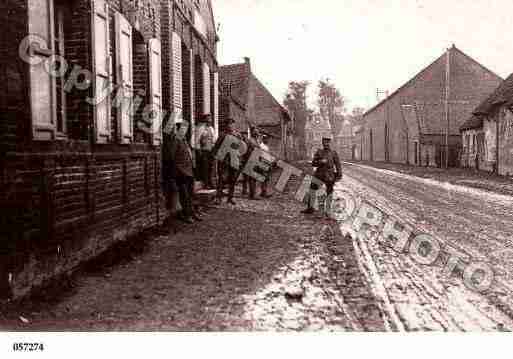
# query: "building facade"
413 124
84 99
488 135
247 101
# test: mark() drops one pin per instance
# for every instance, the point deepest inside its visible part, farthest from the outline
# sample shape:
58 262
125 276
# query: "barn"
415 123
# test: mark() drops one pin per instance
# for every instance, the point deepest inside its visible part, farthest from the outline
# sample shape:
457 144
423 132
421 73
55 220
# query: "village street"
261 265
475 223
258 265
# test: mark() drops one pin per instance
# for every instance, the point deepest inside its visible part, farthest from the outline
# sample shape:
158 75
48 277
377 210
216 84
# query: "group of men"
179 169
228 175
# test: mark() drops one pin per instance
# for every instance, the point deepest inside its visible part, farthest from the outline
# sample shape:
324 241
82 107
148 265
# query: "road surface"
476 223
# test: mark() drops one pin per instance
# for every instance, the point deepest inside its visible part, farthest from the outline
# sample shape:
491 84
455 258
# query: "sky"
360 45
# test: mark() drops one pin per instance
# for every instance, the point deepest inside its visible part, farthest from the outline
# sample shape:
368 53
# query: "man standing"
264 146
184 175
248 181
328 170
205 141
226 173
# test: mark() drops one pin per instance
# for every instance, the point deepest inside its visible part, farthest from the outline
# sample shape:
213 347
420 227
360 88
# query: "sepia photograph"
288 171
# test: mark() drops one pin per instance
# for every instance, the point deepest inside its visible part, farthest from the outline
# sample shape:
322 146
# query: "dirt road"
477 224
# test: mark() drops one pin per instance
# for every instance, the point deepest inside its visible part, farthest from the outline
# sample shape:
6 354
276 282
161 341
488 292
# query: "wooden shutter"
191 98
215 105
102 70
154 49
42 85
177 72
206 89
125 72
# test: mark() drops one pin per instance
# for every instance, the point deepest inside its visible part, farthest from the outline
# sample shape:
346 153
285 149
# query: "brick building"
246 100
80 138
410 125
479 134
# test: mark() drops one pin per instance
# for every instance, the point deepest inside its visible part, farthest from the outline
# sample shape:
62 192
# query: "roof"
238 78
472 123
503 94
416 77
268 111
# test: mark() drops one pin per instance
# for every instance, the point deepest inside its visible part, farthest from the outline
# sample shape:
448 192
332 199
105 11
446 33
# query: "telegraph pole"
447 95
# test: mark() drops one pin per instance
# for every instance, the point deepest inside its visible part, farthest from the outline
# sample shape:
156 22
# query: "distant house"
344 141
479 144
245 99
316 128
493 116
410 126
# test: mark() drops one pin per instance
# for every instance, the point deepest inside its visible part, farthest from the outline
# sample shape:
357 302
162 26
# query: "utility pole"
447 95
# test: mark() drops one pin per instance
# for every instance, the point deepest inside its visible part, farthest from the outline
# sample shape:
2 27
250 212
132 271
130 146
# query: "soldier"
178 173
264 146
328 170
248 181
205 143
185 178
226 173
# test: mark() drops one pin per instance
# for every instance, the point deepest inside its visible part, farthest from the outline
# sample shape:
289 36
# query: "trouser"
227 176
263 187
329 194
204 167
248 181
185 186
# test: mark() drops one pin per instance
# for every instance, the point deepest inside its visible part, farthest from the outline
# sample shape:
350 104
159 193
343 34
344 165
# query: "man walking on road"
329 171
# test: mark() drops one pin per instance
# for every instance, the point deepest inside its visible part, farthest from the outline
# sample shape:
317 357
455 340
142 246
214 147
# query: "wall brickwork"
63 202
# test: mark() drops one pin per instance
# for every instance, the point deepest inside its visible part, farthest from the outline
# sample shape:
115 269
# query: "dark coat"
329 171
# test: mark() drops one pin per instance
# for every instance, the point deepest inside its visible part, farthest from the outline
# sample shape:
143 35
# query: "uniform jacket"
330 171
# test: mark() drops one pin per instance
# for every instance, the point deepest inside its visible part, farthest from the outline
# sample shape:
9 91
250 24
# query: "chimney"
247 61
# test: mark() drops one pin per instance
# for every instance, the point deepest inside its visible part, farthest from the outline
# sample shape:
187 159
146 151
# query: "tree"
295 102
358 113
331 105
